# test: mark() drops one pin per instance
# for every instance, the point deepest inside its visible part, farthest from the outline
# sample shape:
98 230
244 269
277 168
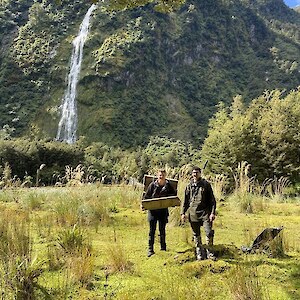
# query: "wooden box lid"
158 203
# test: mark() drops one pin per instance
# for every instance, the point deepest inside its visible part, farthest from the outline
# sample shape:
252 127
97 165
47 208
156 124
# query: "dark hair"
195 168
161 171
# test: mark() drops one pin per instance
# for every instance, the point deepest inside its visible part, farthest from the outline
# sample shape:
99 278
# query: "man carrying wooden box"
157 208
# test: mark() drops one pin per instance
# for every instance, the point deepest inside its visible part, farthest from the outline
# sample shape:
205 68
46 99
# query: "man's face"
196 175
161 175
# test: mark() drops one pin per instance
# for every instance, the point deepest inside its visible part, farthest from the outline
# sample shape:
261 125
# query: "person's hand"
212 217
182 218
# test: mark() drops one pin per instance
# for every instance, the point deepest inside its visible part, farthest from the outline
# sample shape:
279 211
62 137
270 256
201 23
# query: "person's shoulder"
169 185
205 182
168 182
151 185
189 184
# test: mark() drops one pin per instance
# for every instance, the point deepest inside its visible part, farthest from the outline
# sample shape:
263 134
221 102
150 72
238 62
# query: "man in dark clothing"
157 189
200 207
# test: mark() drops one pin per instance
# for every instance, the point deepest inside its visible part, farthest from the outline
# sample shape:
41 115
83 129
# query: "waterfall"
68 122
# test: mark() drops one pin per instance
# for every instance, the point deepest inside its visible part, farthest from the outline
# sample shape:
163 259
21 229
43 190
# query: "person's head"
196 173
161 175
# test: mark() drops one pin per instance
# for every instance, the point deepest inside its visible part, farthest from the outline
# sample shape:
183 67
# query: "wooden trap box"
158 203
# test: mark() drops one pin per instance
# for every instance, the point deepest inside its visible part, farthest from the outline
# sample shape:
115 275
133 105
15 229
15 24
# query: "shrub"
72 240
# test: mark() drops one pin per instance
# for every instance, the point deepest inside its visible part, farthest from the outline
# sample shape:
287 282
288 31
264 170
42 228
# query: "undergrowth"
90 242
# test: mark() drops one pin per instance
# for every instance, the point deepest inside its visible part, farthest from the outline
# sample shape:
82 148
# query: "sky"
292 3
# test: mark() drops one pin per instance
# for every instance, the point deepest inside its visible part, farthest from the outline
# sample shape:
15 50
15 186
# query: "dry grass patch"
117 259
245 283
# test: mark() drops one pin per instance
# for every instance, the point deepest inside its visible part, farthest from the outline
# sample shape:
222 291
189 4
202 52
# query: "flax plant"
72 240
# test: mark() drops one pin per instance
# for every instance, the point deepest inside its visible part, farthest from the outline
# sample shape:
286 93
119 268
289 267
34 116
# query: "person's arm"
213 203
186 203
148 194
171 190
149 191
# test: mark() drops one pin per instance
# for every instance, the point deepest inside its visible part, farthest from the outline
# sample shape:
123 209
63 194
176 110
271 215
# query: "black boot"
150 246
163 245
210 244
150 251
200 251
210 255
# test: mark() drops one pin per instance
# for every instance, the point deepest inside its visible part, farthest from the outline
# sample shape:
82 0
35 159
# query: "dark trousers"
162 233
196 226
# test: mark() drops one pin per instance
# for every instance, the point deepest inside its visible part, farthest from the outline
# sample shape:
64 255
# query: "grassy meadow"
90 242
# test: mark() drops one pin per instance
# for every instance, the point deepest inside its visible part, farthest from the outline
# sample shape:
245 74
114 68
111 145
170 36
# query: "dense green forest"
265 134
144 72
159 86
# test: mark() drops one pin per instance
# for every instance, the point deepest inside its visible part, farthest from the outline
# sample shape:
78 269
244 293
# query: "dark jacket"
199 200
156 191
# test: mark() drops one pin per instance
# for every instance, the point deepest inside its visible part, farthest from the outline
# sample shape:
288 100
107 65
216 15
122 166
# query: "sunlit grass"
90 242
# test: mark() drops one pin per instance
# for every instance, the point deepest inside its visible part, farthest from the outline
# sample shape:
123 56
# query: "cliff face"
144 73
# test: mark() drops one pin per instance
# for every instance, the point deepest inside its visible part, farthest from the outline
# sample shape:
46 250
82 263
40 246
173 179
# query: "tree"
159 5
266 135
6 132
279 128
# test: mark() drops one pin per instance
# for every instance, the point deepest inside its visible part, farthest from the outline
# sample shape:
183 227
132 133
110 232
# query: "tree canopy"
160 5
266 135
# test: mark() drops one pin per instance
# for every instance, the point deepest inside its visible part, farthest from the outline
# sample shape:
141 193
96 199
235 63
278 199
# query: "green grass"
90 242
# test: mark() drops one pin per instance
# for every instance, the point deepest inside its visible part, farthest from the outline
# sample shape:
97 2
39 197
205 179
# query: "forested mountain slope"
144 73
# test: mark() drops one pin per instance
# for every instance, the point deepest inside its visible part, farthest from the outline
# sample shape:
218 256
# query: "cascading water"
67 126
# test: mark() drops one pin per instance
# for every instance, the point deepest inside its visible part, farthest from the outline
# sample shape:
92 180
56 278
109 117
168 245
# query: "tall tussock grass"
245 283
82 267
276 188
19 269
72 251
244 187
219 183
79 208
71 231
250 196
93 205
117 259
43 224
